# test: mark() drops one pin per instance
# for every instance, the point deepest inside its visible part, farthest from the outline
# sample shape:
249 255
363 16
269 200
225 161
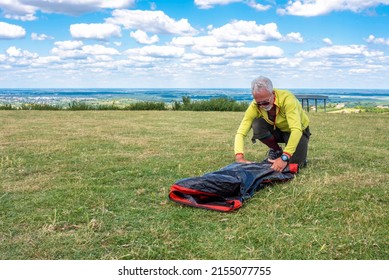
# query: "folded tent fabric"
228 188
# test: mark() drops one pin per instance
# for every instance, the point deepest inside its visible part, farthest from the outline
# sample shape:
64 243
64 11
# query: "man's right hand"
240 158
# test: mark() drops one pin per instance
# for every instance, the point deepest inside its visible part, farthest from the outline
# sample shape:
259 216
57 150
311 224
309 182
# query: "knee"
260 128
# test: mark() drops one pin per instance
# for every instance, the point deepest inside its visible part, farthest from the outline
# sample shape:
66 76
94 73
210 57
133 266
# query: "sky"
194 43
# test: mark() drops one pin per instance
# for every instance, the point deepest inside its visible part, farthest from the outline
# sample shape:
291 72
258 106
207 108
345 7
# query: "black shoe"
303 164
273 154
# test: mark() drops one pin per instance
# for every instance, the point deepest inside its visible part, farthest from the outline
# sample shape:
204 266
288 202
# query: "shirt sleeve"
293 117
244 128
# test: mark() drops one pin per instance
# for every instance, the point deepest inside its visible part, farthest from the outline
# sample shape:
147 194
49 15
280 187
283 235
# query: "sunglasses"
264 103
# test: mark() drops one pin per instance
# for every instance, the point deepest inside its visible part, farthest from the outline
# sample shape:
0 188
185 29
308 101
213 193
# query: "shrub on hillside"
146 105
214 104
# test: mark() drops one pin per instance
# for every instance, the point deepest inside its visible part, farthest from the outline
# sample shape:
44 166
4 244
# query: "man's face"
264 99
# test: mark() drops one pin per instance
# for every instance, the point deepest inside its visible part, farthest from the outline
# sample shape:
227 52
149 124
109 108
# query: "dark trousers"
263 130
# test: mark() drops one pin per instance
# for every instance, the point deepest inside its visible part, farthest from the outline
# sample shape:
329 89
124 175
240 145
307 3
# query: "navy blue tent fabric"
226 189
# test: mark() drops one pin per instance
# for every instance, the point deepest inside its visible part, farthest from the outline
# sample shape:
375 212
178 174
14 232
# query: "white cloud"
202 41
15 52
151 21
339 51
374 40
77 50
257 6
213 42
293 37
99 50
40 37
68 53
142 37
238 52
46 60
26 9
113 4
328 41
207 4
257 52
143 58
310 8
195 61
246 31
17 10
190 56
209 46
208 51
183 41
11 31
360 71
250 31
157 51
2 57
100 31
288 62
69 45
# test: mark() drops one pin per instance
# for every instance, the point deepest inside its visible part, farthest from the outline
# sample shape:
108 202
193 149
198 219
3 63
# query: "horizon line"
1 88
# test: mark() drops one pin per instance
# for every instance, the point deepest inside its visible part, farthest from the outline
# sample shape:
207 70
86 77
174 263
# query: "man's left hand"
278 164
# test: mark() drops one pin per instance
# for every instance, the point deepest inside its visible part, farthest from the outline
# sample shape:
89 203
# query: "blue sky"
194 43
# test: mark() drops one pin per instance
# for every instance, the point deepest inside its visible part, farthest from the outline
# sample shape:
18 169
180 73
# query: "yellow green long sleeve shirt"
290 117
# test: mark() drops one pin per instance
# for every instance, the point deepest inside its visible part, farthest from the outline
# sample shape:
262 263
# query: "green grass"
94 185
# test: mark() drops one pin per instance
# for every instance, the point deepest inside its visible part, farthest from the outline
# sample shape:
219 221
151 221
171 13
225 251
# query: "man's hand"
278 164
240 158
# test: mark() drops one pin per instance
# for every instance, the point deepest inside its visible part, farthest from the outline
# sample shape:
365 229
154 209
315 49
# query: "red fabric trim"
230 204
277 110
293 167
289 155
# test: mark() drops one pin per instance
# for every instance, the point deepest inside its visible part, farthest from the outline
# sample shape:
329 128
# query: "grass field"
94 185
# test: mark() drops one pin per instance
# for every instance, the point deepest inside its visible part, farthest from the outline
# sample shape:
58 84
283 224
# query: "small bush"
79 106
7 107
373 109
215 104
146 105
46 107
176 106
107 107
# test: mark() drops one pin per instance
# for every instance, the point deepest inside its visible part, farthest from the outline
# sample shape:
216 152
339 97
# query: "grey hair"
261 82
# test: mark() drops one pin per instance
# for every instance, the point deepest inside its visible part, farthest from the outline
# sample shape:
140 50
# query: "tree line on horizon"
186 104
215 104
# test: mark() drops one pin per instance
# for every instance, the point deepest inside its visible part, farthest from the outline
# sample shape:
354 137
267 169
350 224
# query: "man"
276 116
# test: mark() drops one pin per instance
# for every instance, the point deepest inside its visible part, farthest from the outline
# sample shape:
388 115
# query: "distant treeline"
216 104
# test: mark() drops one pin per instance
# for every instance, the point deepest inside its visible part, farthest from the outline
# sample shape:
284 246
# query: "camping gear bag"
226 189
